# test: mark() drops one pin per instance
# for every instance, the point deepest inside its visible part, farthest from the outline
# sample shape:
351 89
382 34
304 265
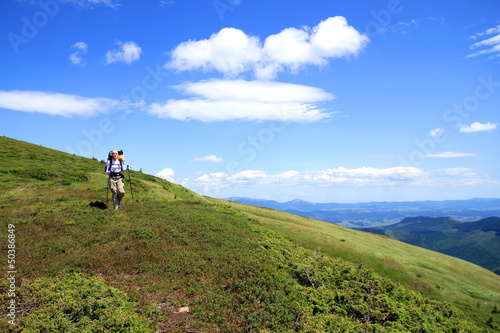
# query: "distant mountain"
422 224
477 242
376 214
297 204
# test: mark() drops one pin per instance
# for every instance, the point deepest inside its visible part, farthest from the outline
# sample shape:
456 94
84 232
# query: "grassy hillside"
471 288
238 268
477 242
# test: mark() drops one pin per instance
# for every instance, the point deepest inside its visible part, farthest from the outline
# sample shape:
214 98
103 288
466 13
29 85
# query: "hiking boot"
116 207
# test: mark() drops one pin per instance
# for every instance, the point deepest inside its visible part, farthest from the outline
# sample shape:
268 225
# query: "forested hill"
173 261
477 242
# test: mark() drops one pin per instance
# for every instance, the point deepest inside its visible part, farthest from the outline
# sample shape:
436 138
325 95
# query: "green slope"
471 288
477 242
238 268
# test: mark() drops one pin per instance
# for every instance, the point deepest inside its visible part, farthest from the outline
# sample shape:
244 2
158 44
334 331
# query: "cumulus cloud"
477 127
209 158
167 174
232 52
127 52
449 154
489 45
223 100
325 178
340 178
75 58
57 104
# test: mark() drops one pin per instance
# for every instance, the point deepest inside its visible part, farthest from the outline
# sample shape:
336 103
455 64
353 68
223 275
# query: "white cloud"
449 154
490 41
335 38
230 51
169 3
436 132
454 172
263 91
494 49
494 30
326 178
227 110
75 58
291 47
92 3
87 4
233 52
127 52
456 177
57 104
209 158
357 178
222 100
490 45
477 127
167 174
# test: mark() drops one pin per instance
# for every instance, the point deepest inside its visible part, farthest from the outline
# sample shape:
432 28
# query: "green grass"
434 275
72 303
238 268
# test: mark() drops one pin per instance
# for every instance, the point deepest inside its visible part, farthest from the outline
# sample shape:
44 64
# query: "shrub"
73 303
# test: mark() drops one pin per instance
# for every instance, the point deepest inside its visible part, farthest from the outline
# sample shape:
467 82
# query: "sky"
323 101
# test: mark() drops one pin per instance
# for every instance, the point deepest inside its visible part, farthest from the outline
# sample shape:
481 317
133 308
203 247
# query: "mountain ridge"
376 214
474 203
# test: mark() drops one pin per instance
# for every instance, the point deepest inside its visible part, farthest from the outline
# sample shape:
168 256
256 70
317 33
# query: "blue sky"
324 101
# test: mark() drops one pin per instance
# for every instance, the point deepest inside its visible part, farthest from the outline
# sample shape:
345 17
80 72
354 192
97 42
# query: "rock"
184 309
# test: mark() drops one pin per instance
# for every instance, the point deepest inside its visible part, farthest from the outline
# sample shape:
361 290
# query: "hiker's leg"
120 190
113 187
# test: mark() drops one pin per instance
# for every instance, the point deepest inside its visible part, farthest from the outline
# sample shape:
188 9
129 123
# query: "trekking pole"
107 191
130 181
107 185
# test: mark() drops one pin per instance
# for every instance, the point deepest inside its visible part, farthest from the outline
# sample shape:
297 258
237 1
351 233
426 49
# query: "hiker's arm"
108 165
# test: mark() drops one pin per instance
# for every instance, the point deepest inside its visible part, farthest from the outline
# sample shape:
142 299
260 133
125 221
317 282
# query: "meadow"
238 268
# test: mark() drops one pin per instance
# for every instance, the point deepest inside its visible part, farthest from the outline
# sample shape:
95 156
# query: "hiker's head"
115 155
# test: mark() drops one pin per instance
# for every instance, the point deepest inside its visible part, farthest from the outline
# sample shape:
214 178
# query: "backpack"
110 157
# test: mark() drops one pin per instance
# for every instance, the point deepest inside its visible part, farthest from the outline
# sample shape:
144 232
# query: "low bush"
73 303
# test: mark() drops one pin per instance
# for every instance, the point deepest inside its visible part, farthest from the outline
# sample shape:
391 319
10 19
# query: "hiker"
114 168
